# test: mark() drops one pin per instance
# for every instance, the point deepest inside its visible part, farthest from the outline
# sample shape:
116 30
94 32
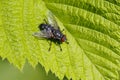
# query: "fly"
51 31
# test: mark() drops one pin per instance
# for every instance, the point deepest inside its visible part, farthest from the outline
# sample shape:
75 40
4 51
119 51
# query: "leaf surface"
92 28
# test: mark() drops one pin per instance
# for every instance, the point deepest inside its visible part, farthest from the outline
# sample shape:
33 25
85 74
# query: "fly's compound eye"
63 38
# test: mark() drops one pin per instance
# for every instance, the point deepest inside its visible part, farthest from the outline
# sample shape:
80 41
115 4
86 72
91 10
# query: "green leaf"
92 28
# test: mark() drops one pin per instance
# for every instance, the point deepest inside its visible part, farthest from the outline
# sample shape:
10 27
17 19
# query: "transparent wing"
51 20
42 34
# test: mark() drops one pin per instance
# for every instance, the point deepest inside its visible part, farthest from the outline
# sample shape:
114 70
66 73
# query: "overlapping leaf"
92 28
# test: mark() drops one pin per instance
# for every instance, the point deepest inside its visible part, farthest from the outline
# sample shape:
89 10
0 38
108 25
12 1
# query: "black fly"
51 31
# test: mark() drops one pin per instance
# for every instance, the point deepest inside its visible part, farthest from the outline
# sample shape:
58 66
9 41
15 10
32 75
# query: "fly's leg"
60 47
62 30
57 43
50 45
45 21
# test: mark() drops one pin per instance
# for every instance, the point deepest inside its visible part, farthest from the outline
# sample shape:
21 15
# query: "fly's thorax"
57 34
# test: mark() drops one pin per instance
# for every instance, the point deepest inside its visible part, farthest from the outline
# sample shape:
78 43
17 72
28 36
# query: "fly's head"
64 39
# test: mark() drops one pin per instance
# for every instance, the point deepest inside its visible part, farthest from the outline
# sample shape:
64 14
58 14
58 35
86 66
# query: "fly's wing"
52 21
42 35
